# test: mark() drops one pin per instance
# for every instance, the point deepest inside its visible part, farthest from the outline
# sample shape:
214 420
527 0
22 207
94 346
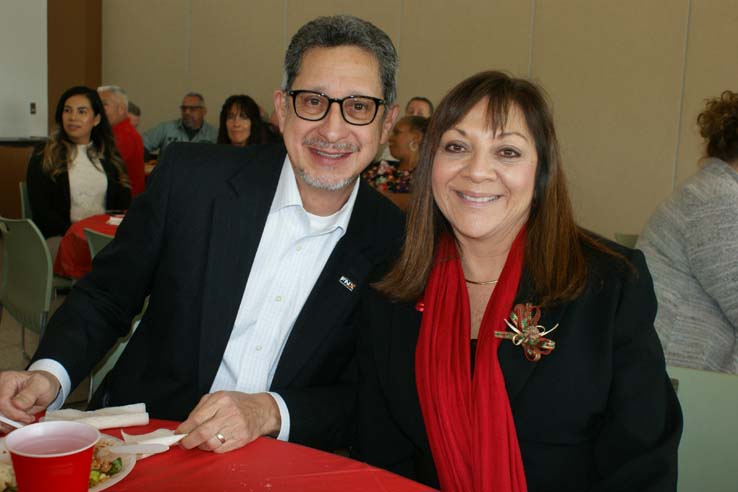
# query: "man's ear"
280 106
388 122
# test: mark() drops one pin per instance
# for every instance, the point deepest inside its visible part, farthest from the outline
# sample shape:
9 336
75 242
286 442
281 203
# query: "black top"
598 413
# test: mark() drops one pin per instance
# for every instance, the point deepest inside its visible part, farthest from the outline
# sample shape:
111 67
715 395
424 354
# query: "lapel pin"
527 333
348 283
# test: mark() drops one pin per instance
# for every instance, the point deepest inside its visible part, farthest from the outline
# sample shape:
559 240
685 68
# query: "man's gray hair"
115 89
197 95
343 30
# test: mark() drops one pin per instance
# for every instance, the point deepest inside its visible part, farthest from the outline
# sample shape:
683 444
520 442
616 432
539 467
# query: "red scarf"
469 422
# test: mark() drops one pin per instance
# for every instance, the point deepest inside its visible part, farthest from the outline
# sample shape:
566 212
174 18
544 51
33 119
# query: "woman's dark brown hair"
719 127
260 132
554 249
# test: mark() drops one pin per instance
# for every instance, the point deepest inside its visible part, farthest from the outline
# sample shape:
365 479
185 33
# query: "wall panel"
146 50
613 71
443 43
712 67
245 57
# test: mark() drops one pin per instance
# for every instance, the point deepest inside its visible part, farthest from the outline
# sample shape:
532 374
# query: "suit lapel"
238 220
331 301
515 367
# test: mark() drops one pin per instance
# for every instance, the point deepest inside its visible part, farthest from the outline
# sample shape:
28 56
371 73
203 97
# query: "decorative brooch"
527 332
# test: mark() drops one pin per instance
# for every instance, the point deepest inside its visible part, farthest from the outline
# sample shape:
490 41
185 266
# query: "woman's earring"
413 145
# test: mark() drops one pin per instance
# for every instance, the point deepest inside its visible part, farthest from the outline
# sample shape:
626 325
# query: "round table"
265 465
73 257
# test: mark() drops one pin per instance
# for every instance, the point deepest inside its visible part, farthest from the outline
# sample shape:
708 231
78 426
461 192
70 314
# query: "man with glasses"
191 127
254 259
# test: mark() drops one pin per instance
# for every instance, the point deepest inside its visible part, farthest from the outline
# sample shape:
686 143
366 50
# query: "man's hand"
25 393
237 418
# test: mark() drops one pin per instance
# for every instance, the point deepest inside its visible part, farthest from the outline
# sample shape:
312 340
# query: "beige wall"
626 78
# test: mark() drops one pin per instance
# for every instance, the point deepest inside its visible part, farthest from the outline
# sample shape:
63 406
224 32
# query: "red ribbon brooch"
526 332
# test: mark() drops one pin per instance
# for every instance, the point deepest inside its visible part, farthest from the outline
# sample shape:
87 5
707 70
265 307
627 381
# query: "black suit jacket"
598 413
189 241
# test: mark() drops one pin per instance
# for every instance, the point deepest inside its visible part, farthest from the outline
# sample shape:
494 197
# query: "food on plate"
7 478
104 465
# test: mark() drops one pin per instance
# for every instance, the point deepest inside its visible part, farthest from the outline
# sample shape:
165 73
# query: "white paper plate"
129 461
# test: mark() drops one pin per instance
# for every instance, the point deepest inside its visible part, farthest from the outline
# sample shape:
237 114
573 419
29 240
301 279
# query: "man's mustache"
322 144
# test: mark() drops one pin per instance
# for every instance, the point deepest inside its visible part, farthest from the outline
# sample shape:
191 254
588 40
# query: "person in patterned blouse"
394 178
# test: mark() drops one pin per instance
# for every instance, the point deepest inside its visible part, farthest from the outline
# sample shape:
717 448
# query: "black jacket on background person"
189 241
50 200
596 414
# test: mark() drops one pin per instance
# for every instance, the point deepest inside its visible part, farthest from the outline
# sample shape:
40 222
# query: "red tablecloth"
265 465
73 258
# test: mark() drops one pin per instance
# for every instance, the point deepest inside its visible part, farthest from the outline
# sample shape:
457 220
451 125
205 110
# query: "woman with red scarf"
508 349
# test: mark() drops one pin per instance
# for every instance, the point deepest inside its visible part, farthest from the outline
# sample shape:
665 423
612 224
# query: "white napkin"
159 436
115 220
105 418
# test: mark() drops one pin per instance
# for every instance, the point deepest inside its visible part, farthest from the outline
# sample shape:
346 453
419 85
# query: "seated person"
508 348
394 178
253 259
127 139
419 106
241 123
134 114
691 249
78 172
191 127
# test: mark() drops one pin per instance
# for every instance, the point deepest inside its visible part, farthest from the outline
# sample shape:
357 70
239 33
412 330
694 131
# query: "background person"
127 139
419 106
241 123
691 249
394 178
78 172
191 127
254 259
451 394
134 114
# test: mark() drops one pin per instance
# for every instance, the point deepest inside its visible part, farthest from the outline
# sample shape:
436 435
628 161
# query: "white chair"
708 452
26 287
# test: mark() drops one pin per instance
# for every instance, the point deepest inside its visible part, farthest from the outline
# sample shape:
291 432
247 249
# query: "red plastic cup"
52 456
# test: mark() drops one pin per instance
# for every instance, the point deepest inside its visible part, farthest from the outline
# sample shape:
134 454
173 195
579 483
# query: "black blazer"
189 241
50 201
598 413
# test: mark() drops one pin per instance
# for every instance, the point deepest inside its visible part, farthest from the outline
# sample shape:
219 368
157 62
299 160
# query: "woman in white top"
78 172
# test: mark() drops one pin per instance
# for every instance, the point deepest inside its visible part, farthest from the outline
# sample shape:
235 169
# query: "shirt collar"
288 195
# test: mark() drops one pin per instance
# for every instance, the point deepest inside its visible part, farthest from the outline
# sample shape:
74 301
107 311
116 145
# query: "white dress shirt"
294 247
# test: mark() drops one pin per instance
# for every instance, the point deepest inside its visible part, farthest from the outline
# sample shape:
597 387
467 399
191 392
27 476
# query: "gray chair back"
25 290
96 241
709 445
25 201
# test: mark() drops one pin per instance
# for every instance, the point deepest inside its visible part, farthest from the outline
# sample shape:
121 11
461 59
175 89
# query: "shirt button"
258 348
299 248
278 298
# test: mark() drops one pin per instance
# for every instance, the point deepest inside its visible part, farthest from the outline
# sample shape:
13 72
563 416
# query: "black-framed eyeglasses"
185 107
356 110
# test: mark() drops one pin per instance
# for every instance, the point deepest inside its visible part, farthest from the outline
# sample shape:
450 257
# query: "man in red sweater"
127 139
